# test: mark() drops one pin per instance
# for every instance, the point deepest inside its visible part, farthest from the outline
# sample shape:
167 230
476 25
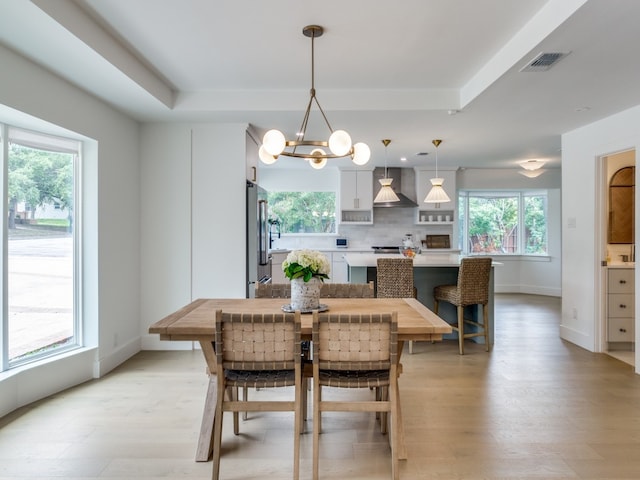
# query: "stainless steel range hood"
404 184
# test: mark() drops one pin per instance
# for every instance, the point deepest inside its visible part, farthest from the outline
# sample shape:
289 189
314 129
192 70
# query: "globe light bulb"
361 153
266 157
274 142
340 143
317 159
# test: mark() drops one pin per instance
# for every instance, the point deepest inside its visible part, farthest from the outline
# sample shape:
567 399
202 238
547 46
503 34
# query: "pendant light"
386 193
437 193
274 143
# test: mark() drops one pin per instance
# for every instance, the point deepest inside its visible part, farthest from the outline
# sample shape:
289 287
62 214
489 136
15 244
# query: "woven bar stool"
394 279
472 289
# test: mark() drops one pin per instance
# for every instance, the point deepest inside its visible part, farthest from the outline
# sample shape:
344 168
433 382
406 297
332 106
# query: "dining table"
195 322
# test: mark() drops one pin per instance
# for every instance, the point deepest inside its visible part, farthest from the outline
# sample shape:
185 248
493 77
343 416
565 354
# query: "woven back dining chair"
355 351
261 351
273 290
472 288
327 290
394 278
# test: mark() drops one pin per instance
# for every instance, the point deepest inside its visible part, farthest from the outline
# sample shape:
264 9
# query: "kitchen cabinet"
277 275
339 268
356 197
252 147
620 307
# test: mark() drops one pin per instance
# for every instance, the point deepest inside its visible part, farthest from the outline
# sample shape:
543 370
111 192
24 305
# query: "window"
503 223
40 303
303 212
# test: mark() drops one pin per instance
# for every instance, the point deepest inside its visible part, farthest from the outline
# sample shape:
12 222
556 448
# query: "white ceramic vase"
305 296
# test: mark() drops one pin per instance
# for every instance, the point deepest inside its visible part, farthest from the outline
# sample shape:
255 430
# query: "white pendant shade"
386 193
437 193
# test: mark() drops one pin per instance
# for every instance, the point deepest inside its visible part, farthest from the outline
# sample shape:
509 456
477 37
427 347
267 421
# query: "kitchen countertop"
622 265
421 260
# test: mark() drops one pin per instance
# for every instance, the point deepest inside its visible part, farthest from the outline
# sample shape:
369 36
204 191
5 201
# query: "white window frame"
53 143
463 204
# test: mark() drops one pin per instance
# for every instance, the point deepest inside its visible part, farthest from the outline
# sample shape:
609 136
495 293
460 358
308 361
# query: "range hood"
404 184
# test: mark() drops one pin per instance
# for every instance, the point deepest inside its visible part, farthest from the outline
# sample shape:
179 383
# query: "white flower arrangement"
306 264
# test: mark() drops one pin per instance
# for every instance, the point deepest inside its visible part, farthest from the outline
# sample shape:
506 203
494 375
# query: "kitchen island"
429 271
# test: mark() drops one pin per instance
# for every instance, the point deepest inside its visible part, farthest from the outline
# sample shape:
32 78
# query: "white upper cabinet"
252 157
356 196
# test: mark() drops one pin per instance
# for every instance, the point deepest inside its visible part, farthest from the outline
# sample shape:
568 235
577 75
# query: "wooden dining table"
195 322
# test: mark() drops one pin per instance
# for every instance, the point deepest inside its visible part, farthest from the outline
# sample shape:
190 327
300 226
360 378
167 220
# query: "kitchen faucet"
272 222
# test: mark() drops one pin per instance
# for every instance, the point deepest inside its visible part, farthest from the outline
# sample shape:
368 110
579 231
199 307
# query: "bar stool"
394 279
472 289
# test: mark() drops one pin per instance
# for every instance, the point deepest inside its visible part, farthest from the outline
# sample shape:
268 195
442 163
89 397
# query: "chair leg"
383 397
217 434
485 315
410 347
303 403
461 329
245 397
298 424
394 429
232 395
316 428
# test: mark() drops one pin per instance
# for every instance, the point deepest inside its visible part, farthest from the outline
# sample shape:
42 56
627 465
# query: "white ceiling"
382 69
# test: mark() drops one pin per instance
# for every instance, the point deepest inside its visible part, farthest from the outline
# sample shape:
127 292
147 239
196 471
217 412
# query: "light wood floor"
534 408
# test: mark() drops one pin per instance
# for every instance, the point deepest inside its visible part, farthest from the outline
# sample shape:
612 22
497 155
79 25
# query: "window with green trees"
303 212
503 223
41 257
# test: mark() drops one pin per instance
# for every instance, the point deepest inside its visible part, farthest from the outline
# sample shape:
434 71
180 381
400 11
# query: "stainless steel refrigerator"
258 256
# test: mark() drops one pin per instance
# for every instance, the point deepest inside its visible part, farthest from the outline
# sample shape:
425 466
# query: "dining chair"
394 279
472 288
262 351
273 290
327 290
355 351
347 290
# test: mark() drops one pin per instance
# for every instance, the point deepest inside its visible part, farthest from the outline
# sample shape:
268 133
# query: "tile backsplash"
389 227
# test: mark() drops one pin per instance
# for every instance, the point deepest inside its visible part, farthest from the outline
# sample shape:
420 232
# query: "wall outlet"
574 313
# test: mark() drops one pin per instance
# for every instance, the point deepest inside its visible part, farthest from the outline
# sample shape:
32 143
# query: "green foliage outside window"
37 177
494 221
303 212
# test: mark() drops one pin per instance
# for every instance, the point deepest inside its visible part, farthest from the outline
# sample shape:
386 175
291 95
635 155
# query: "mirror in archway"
621 206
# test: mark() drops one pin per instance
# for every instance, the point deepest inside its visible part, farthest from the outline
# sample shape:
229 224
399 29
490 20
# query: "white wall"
581 226
31 97
193 217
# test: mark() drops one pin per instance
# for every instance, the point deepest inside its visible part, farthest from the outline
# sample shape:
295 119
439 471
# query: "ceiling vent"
543 62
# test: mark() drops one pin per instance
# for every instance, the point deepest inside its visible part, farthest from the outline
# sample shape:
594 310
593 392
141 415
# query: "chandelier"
437 193
339 144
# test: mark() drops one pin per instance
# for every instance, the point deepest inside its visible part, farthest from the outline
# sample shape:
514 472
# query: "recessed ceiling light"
583 109
403 159
422 154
